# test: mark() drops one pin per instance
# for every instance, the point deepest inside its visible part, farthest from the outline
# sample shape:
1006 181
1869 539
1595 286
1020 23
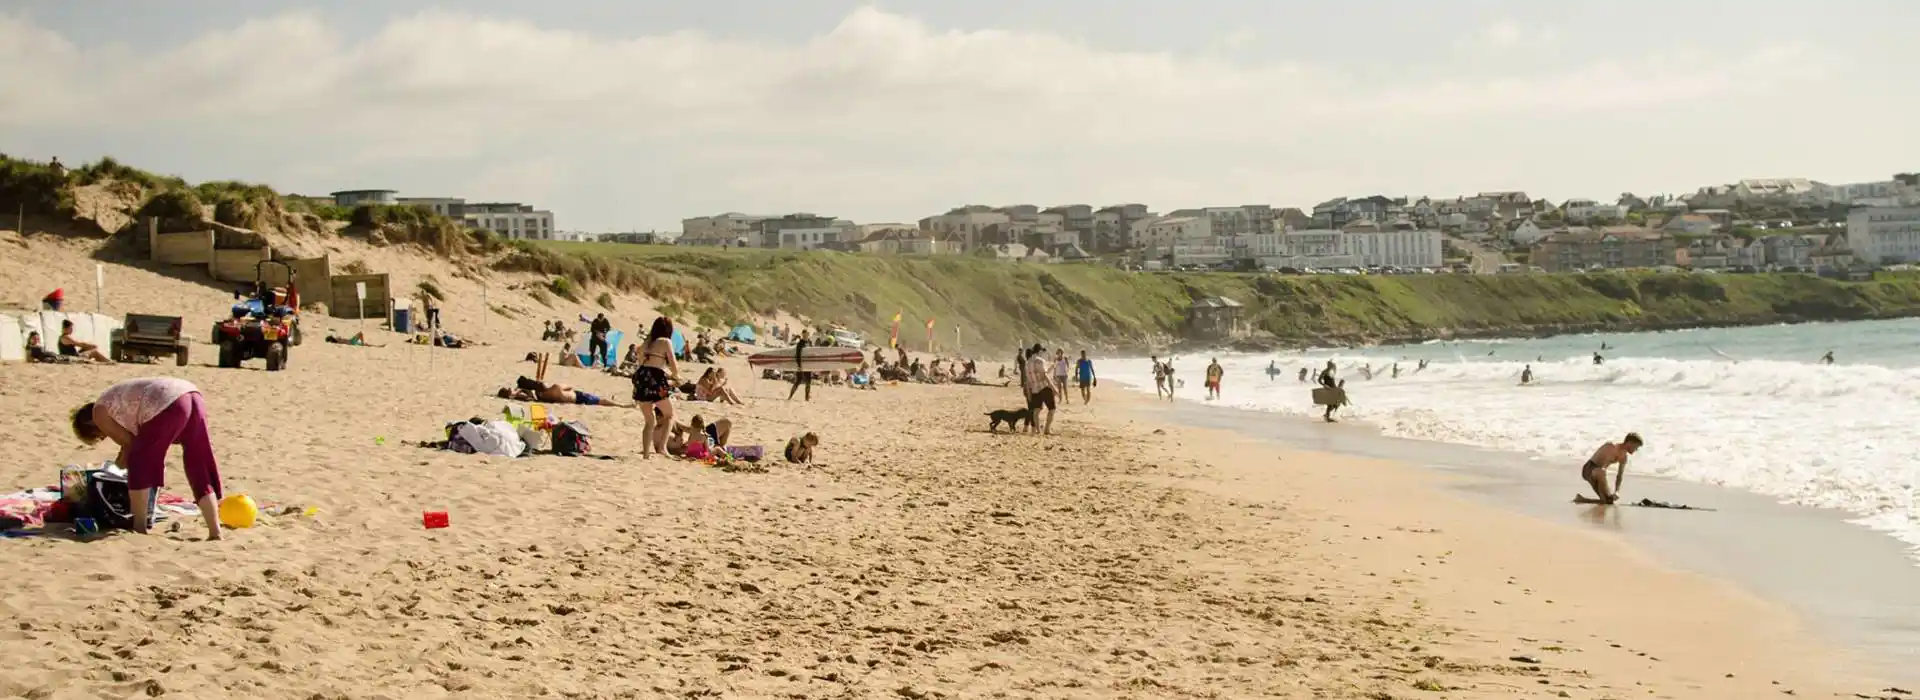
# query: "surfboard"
1329 396
1642 503
810 358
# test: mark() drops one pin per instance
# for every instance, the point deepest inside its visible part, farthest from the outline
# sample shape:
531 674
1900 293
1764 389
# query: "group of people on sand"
66 348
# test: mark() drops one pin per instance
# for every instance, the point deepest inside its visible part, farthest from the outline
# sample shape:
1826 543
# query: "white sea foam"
1839 436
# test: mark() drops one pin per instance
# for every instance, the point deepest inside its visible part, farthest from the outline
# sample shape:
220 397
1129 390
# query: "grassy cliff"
996 303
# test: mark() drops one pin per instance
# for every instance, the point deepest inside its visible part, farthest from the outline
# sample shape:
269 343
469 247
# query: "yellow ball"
238 511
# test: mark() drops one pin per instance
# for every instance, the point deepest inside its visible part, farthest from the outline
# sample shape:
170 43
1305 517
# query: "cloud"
882 111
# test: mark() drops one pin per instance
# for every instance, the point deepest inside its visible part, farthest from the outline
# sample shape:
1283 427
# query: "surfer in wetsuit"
1598 360
1594 472
1827 359
1421 366
1526 375
801 377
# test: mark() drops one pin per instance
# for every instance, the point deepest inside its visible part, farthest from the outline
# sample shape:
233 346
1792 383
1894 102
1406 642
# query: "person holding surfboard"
801 377
1594 472
653 386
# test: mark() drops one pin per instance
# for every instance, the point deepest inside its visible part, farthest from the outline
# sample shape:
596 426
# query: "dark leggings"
801 379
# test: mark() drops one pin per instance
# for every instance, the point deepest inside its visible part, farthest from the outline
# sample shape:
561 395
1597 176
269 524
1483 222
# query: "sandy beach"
921 558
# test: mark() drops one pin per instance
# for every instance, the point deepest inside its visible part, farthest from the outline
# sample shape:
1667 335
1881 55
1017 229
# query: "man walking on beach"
1083 370
1159 377
597 339
1594 472
1214 374
1039 390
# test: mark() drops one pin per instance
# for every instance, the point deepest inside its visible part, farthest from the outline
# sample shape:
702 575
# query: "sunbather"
358 339
531 390
73 347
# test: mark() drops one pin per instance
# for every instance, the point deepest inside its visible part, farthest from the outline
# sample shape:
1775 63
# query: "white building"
1419 249
1889 193
811 238
1160 233
1587 210
731 228
1884 235
1526 233
1319 248
1775 189
450 207
511 220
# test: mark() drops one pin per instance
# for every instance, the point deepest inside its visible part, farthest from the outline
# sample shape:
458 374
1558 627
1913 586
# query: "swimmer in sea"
1526 375
1594 472
1598 360
1827 359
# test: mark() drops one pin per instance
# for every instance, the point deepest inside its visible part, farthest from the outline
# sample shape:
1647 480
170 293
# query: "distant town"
1786 224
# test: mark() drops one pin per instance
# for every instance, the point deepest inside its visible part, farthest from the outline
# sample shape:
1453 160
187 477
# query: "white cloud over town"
882 116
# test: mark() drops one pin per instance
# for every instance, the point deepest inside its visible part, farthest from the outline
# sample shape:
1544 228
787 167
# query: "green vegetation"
430 288
605 300
996 303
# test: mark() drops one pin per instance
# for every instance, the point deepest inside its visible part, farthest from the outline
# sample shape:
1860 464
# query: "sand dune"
922 558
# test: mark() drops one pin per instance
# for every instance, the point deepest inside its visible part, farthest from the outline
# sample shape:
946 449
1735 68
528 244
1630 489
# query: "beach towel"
495 437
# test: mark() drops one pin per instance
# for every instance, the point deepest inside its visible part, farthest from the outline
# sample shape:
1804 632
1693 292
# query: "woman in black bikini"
653 386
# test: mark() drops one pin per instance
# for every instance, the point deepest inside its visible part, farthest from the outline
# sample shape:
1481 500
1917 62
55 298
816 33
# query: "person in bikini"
1609 454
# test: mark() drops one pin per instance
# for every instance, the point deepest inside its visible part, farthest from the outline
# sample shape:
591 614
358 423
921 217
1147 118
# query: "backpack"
571 439
109 501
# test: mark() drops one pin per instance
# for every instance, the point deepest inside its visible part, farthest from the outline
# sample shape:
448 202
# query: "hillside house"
1215 318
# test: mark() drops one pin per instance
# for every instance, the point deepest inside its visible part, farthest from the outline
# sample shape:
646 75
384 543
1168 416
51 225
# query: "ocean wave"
1833 436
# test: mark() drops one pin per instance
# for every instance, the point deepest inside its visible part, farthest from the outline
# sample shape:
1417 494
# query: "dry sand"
922 558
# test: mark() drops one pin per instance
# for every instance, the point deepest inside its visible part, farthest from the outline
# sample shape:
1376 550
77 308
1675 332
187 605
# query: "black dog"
1011 418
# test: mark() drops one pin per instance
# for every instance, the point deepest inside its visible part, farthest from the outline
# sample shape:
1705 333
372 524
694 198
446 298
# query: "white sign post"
360 291
99 286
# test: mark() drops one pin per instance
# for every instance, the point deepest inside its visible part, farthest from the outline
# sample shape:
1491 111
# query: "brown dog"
800 449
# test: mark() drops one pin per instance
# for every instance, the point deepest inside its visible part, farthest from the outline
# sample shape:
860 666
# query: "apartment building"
1159 234
729 229
965 225
451 207
1884 235
354 198
1583 248
511 220
908 241
767 232
1113 226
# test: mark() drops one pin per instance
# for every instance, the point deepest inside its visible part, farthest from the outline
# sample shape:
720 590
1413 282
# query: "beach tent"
742 333
613 351
679 342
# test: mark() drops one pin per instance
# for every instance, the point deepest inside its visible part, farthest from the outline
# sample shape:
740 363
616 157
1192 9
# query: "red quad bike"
265 326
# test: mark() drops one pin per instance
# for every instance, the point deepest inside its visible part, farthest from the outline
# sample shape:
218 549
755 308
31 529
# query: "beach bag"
746 453
455 441
571 439
109 502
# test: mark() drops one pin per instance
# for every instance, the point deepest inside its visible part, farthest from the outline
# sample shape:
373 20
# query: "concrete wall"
190 248
237 265
345 302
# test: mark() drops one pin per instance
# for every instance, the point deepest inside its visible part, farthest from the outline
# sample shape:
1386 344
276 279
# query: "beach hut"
1214 318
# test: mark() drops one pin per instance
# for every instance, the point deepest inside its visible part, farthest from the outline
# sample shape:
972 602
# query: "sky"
633 115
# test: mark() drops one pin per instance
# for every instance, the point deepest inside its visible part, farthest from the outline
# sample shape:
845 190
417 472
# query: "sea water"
1747 408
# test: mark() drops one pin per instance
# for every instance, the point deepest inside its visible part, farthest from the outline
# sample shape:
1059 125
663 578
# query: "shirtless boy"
1610 454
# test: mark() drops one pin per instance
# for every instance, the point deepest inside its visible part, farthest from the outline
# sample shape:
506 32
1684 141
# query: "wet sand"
1855 587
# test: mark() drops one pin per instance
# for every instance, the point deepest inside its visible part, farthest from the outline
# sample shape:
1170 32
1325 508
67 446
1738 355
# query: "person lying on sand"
1594 472
74 347
532 391
358 340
